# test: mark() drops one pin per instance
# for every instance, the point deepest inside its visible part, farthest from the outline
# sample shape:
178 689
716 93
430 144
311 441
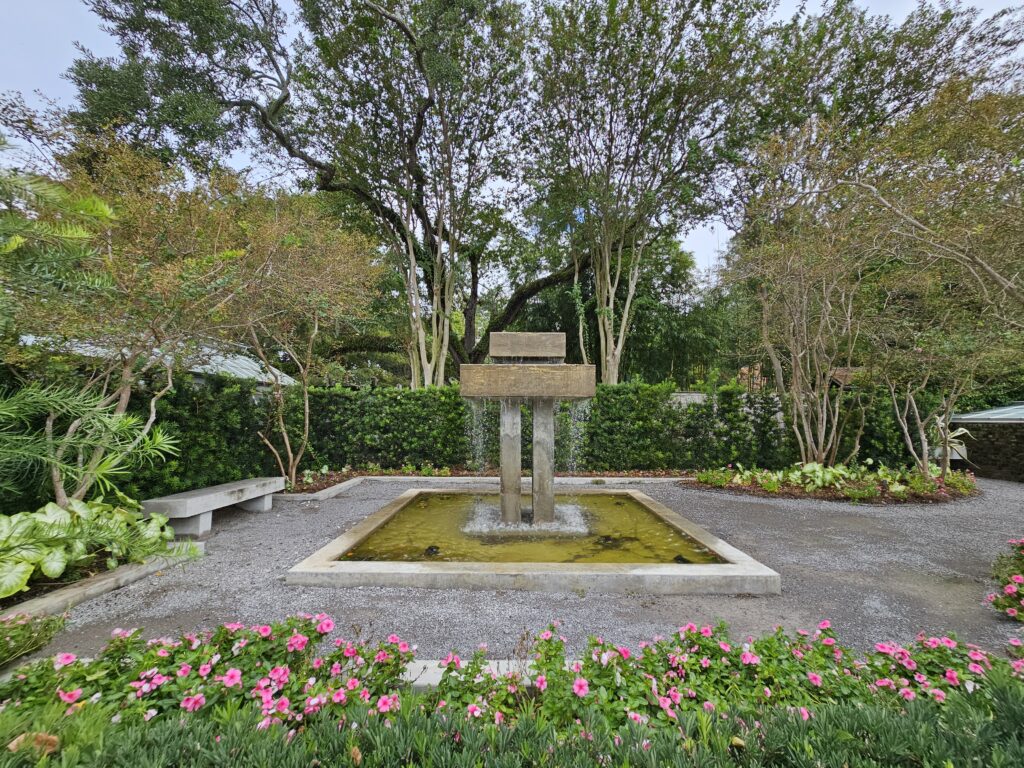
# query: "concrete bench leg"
261 504
196 527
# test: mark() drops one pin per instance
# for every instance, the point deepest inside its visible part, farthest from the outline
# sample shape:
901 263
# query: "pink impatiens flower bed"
1009 574
294 670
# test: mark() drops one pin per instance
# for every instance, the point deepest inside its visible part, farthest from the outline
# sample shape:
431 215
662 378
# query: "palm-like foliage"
46 233
28 447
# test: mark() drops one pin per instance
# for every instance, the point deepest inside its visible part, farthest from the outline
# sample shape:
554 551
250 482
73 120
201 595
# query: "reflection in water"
589 528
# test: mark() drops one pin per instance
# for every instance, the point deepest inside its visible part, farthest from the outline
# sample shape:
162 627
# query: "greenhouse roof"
1007 414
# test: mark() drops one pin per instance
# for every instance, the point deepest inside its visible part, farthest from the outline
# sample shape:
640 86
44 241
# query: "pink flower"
976 668
339 697
69 697
706 631
814 677
150 714
184 670
282 704
938 694
1010 589
709 706
473 711
884 682
192 703
1011 612
63 659
381 656
951 677
352 684
264 631
204 669
749 658
1017 578
233 626
545 635
387 703
297 642
403 647
804 713
725 647
829 641
541 682
767 693
231 678
580 687
1015 642
623 651
499 717
325 626
908 694
826 624
705 662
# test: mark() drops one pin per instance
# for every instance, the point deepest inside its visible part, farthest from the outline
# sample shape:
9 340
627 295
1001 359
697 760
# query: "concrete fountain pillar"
511 462
529 368
543 460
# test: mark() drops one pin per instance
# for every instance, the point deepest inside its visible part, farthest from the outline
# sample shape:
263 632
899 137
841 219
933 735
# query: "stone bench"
191 512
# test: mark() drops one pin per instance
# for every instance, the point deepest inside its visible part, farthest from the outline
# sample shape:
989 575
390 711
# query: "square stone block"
559 382
543 345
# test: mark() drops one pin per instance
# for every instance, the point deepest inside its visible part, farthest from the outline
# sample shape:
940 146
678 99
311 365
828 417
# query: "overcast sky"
40 37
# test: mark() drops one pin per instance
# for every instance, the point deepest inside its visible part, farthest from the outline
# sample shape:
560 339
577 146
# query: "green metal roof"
1007 414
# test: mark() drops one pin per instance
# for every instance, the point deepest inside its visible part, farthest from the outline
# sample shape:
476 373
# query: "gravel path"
877 572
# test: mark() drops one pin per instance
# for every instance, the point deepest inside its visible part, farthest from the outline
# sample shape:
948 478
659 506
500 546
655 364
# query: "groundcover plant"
296 671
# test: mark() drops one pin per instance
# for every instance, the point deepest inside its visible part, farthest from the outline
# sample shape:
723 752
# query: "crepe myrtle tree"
297 275
408 111
639 105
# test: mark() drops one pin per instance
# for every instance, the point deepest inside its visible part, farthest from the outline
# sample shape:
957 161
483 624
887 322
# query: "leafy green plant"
20 634
53 542
1008 572
716 477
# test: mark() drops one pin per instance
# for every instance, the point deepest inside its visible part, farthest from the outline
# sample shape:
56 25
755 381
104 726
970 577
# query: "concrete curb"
422 675
67 597
337 490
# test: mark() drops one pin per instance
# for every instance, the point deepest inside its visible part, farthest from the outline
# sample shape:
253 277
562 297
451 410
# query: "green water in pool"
463 527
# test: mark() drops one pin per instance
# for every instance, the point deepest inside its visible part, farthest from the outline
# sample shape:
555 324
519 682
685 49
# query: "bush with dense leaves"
57 543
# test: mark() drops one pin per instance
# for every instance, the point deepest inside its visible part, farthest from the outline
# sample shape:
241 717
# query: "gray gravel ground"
877 573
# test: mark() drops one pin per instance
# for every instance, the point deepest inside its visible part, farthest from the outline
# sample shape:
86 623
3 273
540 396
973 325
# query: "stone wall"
996 450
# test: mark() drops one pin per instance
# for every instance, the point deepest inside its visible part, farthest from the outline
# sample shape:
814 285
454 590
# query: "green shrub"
55 543
633 427
862 490
216 421
716 477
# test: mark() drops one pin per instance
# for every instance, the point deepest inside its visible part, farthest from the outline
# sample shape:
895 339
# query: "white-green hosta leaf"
53 515
81 509
14 575
5 528
54 562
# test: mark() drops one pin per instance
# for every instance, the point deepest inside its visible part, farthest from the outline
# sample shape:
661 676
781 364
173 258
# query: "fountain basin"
445 539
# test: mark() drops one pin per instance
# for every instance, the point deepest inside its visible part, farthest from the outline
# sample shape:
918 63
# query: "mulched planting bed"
828 494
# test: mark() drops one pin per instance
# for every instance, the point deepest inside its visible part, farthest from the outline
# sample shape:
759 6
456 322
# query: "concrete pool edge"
739 574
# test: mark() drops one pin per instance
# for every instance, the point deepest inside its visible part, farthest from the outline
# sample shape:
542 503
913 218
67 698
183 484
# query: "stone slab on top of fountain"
504 344
526 380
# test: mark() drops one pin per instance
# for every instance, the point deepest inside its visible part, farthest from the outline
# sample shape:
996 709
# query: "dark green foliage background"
633 426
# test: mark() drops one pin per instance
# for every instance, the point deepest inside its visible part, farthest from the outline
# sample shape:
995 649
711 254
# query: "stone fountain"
528 368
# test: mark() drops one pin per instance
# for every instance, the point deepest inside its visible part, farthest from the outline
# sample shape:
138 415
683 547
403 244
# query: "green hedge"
625 427
388 426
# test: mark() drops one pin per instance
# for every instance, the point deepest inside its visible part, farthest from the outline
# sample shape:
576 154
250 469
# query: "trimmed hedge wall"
625 427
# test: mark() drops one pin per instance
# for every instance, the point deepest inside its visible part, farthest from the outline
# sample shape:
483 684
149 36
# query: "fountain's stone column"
511 462
543 460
